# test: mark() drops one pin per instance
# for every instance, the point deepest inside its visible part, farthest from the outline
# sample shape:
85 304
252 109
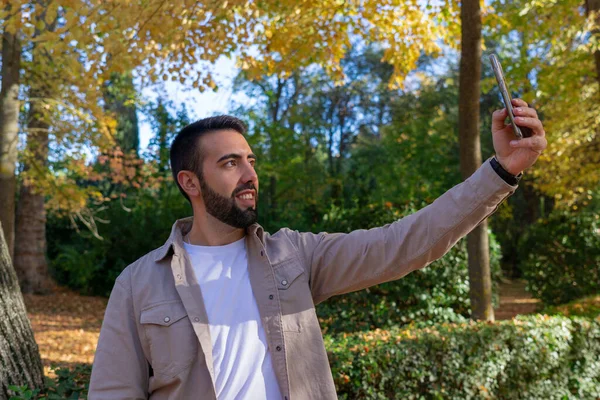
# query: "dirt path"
515 300
66 327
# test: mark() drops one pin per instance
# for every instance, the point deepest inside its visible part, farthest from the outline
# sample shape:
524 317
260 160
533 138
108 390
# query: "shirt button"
178 276
196 319
167 319
278 348
270 297
284 282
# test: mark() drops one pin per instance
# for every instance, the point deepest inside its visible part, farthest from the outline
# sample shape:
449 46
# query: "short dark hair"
186 153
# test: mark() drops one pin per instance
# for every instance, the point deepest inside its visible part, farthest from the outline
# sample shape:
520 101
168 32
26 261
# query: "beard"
226 210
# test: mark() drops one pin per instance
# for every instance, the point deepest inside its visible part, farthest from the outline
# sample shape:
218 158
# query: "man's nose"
250 174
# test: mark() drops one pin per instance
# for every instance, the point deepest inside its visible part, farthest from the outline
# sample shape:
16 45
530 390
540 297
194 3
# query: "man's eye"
230 163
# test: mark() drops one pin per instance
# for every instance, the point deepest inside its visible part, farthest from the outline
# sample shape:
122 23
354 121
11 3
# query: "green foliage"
22 393
415 156
303 127
89 265
438 293
67 384
563 256
536 357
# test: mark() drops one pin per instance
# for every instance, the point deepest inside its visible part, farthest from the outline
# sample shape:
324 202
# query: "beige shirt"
155 339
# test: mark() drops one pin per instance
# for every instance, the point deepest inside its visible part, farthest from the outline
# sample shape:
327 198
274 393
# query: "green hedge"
533 357
561 256
536 357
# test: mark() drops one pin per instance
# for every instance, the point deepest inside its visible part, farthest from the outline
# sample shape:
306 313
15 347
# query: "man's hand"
517 155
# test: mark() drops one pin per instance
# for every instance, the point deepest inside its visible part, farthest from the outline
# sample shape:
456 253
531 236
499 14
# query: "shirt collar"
181 227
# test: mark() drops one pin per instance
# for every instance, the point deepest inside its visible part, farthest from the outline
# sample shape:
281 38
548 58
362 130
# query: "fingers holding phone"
515 155
527 119
519 143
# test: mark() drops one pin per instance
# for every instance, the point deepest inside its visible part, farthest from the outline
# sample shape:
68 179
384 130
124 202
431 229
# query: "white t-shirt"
241 358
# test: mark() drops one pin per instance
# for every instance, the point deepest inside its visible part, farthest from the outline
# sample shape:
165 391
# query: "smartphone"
520 132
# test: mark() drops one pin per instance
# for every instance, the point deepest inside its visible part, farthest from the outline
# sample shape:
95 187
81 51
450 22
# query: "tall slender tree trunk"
30 239
470 155
9 128
30 233
593 6
20 362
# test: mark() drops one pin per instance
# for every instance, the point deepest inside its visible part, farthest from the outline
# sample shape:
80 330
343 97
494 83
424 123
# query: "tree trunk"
590 7
9 128
30 239
20 362
480 282
30 233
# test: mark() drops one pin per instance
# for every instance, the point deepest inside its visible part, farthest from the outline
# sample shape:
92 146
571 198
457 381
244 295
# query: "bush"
89 265
68 384
435 294
534 357
563 256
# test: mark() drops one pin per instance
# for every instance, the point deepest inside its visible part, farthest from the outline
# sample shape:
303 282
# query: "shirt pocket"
172 341
294 294
286 273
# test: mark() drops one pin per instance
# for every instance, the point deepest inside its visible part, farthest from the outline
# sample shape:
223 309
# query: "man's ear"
189 182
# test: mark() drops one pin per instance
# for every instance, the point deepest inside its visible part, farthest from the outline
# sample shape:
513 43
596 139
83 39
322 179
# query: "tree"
20 362
30 234
9 117
592 8
563 80
470 154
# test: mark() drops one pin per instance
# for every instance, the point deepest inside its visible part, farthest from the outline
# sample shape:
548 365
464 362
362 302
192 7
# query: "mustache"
247 186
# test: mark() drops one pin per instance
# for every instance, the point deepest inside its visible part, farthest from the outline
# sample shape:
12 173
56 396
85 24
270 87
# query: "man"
223 310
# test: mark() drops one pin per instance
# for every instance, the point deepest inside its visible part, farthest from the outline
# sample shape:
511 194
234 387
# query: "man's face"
230 184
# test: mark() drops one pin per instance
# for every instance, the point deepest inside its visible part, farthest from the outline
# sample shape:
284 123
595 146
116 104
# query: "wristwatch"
504 174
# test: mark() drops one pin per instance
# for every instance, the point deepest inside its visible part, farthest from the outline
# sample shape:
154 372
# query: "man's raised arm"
340 263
